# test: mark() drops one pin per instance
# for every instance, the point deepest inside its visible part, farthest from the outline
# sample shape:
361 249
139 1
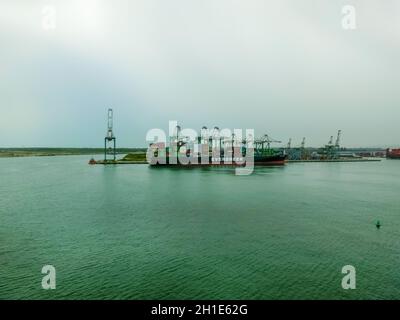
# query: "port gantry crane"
216 137
337 143
265 139
109 140
328 151
331 151
303 154
303 143
289 144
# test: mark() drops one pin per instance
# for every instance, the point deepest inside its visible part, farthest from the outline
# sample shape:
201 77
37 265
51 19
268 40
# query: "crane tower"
110 140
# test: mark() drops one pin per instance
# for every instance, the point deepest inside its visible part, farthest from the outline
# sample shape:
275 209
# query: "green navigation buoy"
378 224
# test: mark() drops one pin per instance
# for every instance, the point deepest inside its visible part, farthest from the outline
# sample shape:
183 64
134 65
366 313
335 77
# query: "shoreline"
53 152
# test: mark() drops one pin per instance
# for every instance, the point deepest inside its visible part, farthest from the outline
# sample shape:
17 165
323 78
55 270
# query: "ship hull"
276 160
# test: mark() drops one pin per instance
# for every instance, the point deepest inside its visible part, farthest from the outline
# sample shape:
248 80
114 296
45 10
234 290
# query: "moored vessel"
393 153
228 153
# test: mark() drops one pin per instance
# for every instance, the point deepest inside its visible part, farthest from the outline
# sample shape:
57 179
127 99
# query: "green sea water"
135 232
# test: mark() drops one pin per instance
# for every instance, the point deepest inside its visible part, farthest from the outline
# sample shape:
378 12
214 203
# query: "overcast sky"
286 68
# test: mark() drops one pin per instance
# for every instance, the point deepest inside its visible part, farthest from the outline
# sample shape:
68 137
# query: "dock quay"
110 162
336 160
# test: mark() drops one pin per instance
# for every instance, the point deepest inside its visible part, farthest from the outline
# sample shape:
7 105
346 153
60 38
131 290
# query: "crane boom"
337 144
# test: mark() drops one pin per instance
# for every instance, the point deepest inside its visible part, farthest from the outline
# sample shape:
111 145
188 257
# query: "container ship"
272 159
264 155
393 153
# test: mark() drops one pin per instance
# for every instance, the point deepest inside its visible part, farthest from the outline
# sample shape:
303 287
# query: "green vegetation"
136 156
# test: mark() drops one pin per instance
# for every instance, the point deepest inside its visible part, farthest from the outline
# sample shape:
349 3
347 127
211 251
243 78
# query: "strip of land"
49 152
137 157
